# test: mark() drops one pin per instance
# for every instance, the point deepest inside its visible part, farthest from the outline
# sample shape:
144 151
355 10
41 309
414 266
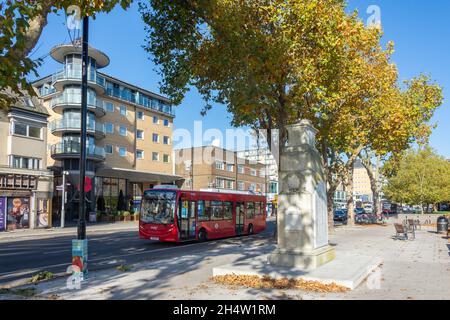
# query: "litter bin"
92 217
442 224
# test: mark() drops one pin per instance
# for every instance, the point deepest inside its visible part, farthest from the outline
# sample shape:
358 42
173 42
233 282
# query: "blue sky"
419 29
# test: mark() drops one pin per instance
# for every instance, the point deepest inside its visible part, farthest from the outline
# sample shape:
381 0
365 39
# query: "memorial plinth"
302 211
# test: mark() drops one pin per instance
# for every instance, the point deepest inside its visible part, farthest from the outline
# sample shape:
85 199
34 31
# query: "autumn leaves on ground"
257 282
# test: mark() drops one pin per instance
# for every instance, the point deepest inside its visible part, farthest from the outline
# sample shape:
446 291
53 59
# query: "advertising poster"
18 213
42 213
80 258
2 213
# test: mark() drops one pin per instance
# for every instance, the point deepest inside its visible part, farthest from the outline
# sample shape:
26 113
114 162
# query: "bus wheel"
250 229
202 235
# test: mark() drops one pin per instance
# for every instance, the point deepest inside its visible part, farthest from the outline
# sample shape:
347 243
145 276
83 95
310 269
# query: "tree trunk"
373 185
349 190
330 208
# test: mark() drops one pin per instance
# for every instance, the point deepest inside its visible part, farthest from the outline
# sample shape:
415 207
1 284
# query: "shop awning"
139 176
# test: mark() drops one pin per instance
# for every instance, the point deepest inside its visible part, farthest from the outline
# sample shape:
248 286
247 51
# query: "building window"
219 165
220 183
139 154
140 115
155 120
25 162
166 123
252 187
240 185
109 106
241 169
108 148
230 167
140 134
253 172
166 140
123 110
229 184
109 127
122 151
34 132
166 158
26 130
20 129
155 138
123 131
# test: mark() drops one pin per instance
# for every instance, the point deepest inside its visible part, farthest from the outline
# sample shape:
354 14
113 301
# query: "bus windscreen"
158 207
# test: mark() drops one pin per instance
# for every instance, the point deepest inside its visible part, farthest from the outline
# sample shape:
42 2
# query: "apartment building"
129 133
26 186
212 168
266 158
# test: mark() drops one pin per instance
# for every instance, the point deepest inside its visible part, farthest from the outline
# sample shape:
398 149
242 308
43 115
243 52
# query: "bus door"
186 220
239 218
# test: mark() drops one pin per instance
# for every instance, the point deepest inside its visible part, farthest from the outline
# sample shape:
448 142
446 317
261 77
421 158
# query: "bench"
401 232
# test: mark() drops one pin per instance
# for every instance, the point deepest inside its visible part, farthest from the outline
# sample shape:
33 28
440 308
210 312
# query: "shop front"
25 201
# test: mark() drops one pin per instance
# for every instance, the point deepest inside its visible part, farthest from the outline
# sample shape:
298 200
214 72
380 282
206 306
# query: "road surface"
22 258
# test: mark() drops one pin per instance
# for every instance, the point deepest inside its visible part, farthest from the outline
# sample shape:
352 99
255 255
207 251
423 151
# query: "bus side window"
250 210
257 208
202 214
216 210
192 210
228 210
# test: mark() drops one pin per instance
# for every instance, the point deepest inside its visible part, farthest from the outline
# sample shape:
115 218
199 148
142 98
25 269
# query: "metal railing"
74 147
75 124
75 98
73 71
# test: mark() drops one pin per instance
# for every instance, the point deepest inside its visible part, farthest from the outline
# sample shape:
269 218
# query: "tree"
273 63
21 25
405 117
421 178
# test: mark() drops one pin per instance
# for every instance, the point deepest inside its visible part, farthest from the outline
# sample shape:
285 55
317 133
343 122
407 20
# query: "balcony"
71 149
57 127
73 101
71 74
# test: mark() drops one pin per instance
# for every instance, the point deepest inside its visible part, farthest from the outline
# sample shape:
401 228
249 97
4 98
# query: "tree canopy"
21 25
421 177
274 62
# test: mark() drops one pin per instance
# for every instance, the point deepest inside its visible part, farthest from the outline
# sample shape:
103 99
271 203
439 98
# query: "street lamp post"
63 198
80 245
81 231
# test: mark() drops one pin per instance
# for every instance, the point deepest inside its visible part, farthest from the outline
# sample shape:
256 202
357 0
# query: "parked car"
368 208
341 216
359 211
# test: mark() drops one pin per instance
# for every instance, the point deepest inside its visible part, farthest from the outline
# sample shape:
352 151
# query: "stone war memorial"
302 211
303 250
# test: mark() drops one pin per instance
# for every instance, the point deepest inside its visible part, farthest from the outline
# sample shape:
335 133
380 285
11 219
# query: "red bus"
174 215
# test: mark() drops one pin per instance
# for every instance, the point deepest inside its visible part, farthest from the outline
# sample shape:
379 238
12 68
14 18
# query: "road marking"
5 275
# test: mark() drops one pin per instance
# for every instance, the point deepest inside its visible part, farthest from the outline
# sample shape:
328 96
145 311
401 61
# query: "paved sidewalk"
51 232
416 269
